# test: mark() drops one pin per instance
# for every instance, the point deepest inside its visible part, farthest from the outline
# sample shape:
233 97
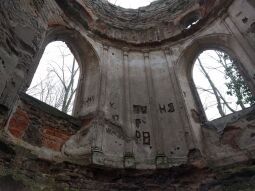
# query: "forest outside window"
220 85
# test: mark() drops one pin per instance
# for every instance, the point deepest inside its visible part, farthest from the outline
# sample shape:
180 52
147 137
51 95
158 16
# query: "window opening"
131 4
221 87
56 78
190 20
191 24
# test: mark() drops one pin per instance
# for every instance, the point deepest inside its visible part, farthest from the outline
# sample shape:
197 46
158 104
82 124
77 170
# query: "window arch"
56 78
221 87
184 68
88 85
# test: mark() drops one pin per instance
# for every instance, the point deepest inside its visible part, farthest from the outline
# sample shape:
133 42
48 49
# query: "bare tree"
214 89
59 86
229 94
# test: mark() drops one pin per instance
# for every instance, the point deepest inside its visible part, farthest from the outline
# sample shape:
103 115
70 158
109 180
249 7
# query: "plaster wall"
137 103
154 86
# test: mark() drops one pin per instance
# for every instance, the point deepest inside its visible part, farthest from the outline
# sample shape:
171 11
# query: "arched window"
190 20
220 85
56 78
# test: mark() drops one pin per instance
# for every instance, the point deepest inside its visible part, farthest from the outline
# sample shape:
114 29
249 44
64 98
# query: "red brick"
18 123
54 138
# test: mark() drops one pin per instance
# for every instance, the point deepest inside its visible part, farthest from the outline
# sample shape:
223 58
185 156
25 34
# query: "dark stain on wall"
252 2
230 136
76 11
252 28
8 183
5 149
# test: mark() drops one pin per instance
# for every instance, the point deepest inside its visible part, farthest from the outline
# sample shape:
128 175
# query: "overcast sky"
52 59
133 4
51 56
208 100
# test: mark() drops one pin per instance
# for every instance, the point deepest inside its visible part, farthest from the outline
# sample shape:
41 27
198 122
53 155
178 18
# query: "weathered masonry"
137 122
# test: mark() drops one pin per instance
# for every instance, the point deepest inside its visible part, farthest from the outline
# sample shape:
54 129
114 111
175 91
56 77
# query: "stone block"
161 161
98 157
129 161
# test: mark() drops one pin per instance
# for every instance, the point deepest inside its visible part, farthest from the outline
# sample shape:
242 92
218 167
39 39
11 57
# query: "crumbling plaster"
136 99
136 107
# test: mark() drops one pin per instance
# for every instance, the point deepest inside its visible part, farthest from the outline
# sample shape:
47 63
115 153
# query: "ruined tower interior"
137 122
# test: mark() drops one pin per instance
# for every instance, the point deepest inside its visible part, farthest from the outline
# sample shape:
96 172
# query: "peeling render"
137 122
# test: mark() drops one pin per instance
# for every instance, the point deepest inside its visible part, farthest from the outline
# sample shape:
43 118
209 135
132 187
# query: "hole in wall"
245 20
1 61
190 19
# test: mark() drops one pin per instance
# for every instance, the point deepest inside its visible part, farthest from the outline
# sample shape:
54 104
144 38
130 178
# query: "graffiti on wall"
142 136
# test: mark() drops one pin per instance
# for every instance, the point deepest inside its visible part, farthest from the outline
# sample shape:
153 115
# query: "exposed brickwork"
145 79
54 138
19 123
39 128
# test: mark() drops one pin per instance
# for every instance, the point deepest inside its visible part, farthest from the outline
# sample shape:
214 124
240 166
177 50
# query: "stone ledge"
49 109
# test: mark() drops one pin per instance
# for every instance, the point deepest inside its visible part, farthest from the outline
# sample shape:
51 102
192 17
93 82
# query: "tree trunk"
215 90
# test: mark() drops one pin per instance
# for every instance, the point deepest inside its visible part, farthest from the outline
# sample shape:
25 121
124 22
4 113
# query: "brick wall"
41 125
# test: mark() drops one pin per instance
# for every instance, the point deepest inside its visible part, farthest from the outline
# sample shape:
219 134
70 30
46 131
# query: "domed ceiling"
161 20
